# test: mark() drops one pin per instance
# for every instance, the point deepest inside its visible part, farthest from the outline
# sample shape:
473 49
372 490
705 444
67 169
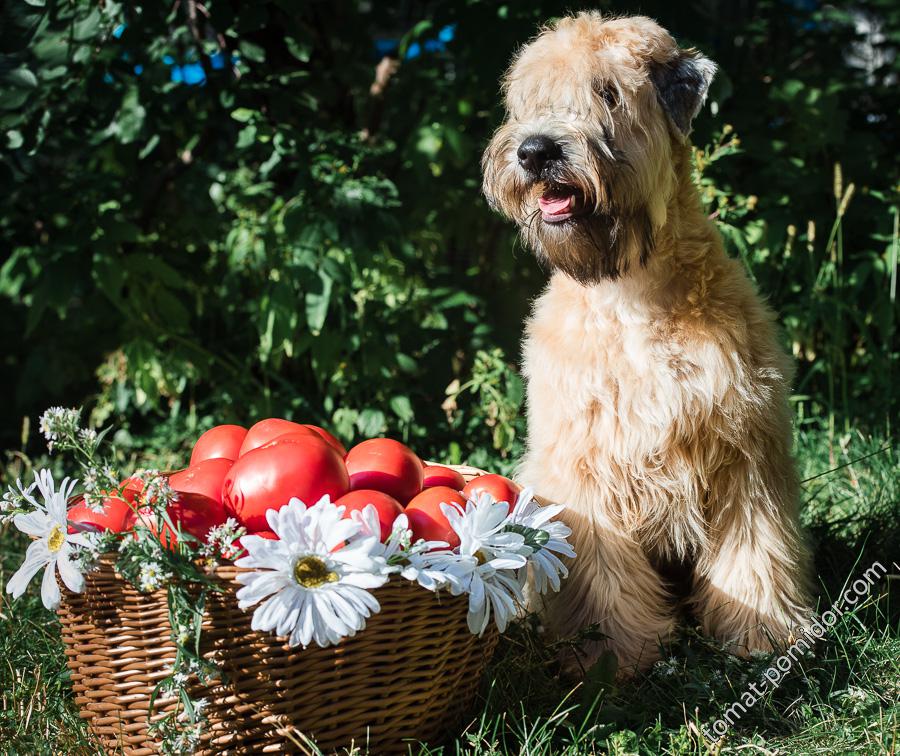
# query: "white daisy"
53 545
484 566
546 567
481 528
317 576
399 545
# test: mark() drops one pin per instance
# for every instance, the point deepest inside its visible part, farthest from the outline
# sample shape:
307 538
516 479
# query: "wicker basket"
411 675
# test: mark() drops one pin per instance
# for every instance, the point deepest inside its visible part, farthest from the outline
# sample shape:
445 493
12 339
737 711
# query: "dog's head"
583 162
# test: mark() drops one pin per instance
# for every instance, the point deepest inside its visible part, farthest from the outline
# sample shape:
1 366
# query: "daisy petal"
49 587
70 575
36 557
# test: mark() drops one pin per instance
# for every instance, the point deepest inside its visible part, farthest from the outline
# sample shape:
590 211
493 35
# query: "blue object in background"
388 46
193 73
181 73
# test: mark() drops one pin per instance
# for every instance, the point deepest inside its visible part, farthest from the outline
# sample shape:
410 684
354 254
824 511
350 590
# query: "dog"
657 392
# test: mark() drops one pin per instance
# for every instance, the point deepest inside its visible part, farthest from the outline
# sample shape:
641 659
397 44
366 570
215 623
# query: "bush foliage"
224 211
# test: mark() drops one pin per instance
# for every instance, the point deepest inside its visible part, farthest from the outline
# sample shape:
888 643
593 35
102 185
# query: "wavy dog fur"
657 391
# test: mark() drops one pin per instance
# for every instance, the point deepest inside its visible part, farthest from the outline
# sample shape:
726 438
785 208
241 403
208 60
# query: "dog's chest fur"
624 401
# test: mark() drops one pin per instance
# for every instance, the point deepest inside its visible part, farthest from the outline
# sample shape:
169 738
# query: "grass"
844 698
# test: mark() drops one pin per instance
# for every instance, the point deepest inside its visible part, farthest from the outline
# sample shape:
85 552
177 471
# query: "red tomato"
267 534
328 438
204 478
223 442
426 520
385 465
388 507
438 475
131 489
502 489
268 478
268 430
193 513
116 516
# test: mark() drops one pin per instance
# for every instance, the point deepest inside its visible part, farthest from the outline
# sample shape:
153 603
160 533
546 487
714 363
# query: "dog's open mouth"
559 203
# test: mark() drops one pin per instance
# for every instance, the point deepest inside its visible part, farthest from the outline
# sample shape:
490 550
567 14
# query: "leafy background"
224 211
274 239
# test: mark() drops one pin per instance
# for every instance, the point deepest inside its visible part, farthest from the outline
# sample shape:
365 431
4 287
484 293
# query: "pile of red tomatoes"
240 473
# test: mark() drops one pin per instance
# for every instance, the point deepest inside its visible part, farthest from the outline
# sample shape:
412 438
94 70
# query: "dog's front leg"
613 586
751 588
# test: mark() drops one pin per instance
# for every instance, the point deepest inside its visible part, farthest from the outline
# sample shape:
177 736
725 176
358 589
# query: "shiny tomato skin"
131 489
385 465
438 475
303 435
502 489
221 442
388 507
204 478
426 520
116 516
269 478
328 438
268 430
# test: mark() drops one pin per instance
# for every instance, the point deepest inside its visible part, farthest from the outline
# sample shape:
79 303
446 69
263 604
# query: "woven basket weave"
412 674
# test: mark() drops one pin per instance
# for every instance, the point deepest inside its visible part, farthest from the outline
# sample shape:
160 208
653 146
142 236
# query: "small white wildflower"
180 678
87 436
152 576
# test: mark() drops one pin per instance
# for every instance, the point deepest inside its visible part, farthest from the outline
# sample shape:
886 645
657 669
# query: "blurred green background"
217 212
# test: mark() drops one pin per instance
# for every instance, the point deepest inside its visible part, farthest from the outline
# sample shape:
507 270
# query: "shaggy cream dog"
657 390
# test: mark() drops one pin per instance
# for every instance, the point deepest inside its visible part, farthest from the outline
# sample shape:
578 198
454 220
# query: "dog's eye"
610 96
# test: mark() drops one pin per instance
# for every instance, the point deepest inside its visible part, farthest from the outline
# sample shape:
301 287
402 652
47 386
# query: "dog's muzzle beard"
592 246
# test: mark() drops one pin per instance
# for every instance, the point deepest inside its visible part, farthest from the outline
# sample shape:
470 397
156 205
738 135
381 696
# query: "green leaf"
534 537
242 115
21 78
299 49
370 423
317 300
599 678
87 27
402 407
252 52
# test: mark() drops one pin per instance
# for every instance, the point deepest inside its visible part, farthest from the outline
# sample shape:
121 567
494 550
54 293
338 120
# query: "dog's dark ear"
681 86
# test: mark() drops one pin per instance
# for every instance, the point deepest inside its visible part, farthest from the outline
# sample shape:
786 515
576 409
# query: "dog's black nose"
536 151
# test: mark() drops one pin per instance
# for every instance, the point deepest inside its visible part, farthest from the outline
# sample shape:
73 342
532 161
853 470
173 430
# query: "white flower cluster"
152 577
313 583
59 423
16 500
156 491
222 542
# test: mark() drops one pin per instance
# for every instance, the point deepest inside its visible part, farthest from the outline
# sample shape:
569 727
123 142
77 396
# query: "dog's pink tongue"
551 205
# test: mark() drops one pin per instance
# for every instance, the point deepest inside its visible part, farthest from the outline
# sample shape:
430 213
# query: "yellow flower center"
311 572
56 539
482 559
